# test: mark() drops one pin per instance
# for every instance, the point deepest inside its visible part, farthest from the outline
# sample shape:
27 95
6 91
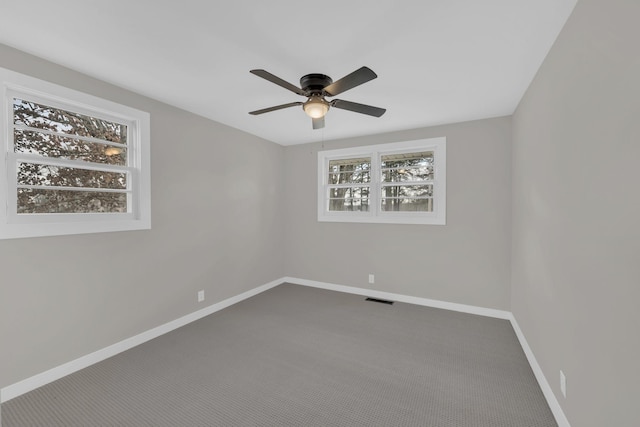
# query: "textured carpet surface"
297 356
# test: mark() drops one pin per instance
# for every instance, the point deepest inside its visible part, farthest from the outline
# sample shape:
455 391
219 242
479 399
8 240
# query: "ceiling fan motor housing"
314 83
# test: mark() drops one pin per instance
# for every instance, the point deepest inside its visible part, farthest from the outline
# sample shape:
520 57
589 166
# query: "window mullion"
407 183
374 194
12 181
69 188
350 185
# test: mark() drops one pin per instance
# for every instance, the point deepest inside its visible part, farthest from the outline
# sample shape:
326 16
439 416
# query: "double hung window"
394 183
73 163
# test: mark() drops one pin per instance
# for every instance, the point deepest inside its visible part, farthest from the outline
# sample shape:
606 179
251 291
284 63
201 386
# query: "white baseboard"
553 403
15 390
24 386
471 309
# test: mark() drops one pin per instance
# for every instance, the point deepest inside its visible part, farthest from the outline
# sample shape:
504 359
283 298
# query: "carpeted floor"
298 356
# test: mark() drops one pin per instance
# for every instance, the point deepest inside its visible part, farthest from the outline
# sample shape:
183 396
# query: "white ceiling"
438 61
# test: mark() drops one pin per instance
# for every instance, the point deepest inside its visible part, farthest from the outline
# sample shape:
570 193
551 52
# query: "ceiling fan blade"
358 108
277 80
358 77
277 107
318 123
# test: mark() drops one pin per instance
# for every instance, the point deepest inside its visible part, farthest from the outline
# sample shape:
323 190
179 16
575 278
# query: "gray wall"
576 212
465 261
214 228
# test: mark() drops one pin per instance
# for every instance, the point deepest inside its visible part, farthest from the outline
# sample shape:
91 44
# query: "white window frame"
138 216
375 214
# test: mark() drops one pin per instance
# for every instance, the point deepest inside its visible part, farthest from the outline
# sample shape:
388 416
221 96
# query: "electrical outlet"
200 296
563 384
372 278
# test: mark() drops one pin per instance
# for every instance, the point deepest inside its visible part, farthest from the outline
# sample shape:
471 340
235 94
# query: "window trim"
375 214
138 217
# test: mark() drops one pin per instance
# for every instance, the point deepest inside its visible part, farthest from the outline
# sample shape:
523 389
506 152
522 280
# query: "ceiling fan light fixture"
316 107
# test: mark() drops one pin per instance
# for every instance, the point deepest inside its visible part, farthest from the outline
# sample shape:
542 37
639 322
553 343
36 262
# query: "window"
349 184
73 163
402 182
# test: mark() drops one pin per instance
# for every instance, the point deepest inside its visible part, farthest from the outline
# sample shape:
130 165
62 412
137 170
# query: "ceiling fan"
318 86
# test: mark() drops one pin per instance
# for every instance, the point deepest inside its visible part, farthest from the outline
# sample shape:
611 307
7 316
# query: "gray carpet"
297 356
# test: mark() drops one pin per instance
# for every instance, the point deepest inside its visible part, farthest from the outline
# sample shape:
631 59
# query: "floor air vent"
381 301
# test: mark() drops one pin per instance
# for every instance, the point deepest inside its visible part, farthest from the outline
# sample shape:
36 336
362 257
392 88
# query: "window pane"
404 160
407 167
68 148
345 205
58 120
407 190
347 171
422 173
349 199
49 175
408 174
32 201
351 177
406 205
